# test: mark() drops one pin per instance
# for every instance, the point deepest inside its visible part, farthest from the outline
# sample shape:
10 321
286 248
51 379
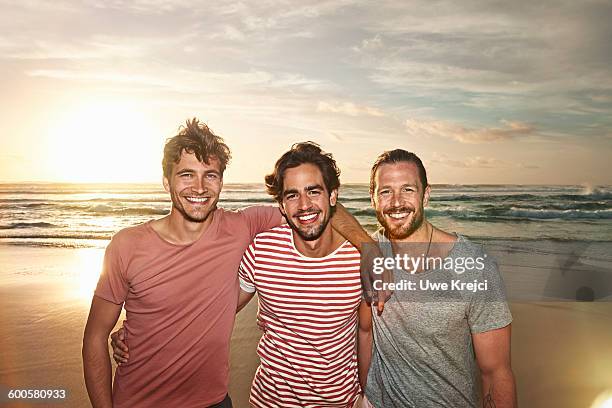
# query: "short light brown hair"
195 137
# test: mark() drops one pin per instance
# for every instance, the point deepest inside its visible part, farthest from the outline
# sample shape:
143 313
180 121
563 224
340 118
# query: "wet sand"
562 352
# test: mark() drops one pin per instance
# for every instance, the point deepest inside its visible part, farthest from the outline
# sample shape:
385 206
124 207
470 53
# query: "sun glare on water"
104 142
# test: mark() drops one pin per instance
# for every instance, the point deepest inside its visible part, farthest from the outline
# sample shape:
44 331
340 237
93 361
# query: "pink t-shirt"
180 302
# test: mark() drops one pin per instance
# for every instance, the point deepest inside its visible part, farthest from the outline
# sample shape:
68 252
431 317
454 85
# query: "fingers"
380 307
118 341
119 345
261 324
120 358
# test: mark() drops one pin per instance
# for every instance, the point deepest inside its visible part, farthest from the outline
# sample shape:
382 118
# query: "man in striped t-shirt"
308 282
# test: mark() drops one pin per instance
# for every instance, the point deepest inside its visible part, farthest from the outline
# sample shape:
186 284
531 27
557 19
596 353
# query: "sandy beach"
562 351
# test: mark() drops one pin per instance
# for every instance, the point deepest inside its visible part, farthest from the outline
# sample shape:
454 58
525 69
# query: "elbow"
93 343
496 374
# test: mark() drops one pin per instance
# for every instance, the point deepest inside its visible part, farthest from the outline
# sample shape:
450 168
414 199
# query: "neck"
320 247
180 230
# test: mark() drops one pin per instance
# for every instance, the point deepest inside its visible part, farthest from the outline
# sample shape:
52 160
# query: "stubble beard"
311 234
401 232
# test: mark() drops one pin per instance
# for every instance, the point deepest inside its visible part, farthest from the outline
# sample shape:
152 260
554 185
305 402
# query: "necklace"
430 237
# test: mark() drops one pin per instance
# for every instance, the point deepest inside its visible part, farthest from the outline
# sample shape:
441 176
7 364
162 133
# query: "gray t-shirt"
423 354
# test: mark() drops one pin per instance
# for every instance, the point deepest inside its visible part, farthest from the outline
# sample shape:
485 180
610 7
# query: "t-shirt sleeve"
488 309
245 271
113 284
262 218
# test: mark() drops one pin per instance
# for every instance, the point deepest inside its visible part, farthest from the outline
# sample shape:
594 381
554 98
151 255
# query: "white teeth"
197 199
307 217
397 216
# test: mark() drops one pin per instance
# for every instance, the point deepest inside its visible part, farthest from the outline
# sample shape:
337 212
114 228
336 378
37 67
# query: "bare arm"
96 362
352 231
364 343
492 350
244 297
348 226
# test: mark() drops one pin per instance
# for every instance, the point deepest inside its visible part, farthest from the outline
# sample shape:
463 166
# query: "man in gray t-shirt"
444 337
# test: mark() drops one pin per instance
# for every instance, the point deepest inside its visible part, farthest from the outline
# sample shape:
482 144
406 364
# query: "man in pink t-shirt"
177 277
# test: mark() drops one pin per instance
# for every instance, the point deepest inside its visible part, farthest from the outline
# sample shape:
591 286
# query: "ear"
333 197
166 183
426 196
282 208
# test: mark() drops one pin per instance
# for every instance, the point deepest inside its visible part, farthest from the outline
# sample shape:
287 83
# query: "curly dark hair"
301 153
195 137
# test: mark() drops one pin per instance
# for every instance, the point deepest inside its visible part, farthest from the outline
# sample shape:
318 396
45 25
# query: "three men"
430 344
307 278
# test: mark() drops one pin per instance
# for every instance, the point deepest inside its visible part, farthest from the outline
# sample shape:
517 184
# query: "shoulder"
466 247
273 243
131 234
474 253
281 234
246 216
379 235
233 220
348 249
444 237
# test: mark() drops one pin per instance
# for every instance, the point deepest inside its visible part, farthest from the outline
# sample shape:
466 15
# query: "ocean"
553 245
81 215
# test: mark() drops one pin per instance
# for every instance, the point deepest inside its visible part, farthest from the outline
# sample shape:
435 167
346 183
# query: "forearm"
243 299
364 355
348 226
98 373
499 389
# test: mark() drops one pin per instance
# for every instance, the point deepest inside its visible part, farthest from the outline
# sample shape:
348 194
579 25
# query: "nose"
200 186
304 202
395 200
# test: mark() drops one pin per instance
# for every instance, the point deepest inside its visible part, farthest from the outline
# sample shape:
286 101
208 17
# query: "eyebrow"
314 187
308 188
403 185
185 171
188 170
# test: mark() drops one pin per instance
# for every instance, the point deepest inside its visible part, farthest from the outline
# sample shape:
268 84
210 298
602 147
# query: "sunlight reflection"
604 400
88 267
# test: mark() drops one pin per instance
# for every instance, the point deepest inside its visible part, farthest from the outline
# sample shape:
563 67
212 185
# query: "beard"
401 231
194 216
308 233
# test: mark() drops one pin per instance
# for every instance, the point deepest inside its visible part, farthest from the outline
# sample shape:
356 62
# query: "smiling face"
194 187
305 202
399 199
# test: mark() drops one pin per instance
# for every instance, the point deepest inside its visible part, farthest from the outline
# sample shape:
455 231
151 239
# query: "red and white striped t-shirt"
309 306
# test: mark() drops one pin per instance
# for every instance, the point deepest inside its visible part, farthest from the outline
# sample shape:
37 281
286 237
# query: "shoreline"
562 351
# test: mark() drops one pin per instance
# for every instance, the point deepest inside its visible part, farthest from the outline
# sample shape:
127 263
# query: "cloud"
336 70
479 162
336 137
476 162
433 128
349 108
370 44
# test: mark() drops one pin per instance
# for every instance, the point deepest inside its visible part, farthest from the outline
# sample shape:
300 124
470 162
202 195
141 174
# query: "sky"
495 92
